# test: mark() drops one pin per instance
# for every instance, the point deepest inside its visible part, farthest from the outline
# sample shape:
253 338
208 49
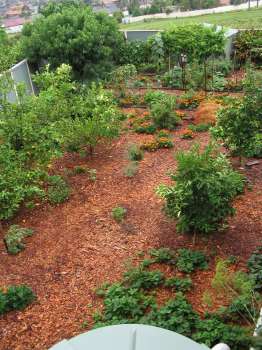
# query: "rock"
252 162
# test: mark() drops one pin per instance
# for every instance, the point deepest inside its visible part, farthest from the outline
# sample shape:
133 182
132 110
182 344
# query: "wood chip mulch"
78 245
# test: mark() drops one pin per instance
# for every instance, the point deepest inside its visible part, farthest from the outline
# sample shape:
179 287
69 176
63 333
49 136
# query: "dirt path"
77 245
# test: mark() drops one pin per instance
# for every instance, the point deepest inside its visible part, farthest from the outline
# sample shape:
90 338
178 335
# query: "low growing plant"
131 169
14 239
190 260
179 284
118 213
15 298
58 190
135 153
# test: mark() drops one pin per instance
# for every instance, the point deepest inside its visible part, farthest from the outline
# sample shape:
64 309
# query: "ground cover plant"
133 300
16 297
14 239
205 186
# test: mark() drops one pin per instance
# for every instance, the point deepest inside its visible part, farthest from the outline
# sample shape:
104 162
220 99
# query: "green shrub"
212 330
205 186
162 255
189 260
146 129
152 97
239 124
164 116
199 127
123 305
118 213
79 170
255 267
141 279
176 315
15 237
16 298
131 169
135 153
58 190
179 284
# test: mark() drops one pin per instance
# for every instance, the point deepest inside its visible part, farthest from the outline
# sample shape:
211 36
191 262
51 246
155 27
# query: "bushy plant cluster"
86 40
58 190
16 298
119 213
64 116
14 238
239 124
205 186
255 267
133 300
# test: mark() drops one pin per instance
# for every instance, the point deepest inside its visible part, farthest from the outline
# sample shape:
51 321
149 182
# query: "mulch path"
77 245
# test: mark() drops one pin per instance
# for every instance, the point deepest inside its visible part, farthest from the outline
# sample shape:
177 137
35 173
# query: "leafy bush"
15 237
212 330
179 284
254 265
16 298
152 97
176 315
76 41
239 124
162 255
189 260
123 305
118 213
145 128
141 279
58 190
187 134
135 153
163 115
205 187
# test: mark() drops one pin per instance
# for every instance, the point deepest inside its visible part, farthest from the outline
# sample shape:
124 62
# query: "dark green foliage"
58 190
163 114
146 129
162 255
118 214
212 330
239 124
255 267
132 301
141 279
152 97
205 186
179 284
76 41
14 239
189 260
124 305
135 153
176 315
16 298
199 127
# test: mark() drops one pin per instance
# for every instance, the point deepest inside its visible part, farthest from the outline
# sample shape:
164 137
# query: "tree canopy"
75 35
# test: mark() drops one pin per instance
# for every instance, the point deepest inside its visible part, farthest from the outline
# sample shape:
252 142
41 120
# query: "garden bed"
77 245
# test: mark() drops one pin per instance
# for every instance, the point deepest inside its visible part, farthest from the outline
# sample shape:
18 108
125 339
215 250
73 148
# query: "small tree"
205 187
239 124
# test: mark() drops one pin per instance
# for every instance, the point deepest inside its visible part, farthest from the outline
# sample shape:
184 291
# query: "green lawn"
235 19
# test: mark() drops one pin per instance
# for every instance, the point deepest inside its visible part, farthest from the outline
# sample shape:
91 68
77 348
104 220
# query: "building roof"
14 22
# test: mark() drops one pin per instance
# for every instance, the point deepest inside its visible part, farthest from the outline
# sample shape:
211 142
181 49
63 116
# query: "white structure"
130 337
19 74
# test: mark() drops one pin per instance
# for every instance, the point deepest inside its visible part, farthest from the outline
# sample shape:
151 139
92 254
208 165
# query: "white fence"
19 74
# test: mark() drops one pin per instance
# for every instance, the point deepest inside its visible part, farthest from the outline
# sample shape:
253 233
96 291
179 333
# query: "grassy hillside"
235 19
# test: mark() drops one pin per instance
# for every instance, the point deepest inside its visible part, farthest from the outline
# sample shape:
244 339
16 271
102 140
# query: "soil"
78 245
